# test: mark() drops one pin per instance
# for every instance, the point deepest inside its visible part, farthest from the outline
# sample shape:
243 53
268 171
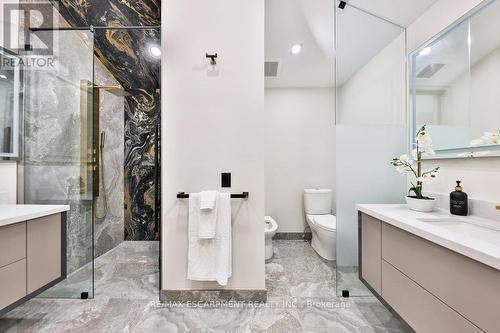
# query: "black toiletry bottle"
458 201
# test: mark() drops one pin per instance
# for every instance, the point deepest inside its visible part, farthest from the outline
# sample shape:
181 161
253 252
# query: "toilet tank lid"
317 190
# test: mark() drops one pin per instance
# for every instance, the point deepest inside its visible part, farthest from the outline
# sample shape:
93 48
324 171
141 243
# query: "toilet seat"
326 222
270 224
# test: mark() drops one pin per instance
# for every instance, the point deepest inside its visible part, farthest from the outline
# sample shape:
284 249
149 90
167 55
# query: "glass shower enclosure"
370 127
90 140
59 153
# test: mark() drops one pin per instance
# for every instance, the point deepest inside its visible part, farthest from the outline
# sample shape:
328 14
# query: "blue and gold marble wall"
126 54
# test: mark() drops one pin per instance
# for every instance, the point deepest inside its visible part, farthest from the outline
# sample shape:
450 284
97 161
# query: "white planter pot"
421 205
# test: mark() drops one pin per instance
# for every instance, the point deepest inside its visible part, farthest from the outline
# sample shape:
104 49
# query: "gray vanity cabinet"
32 258
371 252
44 251
12 263
431 287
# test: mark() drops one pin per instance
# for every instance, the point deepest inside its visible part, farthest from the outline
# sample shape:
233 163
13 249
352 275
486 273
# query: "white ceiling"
402 12
311 23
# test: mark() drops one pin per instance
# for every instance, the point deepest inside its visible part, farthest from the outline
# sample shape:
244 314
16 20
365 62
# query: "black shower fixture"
342 4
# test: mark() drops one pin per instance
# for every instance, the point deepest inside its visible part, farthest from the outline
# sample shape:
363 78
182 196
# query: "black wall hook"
342 4
212 57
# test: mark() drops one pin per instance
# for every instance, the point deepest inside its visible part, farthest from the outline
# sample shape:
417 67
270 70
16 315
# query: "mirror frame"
14 155
464 152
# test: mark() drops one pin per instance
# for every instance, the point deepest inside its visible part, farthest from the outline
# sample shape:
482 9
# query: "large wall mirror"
10 93
455 86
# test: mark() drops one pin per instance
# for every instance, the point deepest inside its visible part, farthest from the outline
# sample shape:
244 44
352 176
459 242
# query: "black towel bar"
242 195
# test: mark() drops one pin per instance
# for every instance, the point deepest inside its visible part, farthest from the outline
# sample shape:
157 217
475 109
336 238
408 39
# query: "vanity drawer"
12 283
44 251
420 309
469 287
12 243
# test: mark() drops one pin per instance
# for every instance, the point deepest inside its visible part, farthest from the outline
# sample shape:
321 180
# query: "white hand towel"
210 259
208 214
208 199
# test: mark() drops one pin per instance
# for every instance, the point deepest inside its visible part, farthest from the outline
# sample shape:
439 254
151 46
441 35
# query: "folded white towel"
207 222
210 259
208 199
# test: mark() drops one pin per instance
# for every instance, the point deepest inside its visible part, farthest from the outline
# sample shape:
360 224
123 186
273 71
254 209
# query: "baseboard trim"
293 236
210 295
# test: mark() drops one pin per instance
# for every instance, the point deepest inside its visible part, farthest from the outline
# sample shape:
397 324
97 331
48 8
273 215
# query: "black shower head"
342 4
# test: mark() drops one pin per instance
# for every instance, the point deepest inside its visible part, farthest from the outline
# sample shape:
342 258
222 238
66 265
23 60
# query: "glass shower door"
370 127
59 148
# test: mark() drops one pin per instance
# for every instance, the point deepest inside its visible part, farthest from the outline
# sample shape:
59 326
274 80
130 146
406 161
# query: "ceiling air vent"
429 71
271 68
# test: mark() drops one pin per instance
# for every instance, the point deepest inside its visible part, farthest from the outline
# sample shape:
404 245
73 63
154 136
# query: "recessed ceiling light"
296 49
155 51
425 51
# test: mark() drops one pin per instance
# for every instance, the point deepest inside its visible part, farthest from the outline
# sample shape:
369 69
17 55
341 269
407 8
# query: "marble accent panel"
142 111
125 53
110 12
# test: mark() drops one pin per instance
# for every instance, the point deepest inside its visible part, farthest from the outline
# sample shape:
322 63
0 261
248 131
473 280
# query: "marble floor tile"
301 298
347 279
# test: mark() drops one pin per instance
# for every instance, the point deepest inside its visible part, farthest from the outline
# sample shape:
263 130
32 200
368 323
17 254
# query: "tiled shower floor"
301 298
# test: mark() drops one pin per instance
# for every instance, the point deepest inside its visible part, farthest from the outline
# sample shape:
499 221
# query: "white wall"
485 99
472 101
300 150
375 94
213 122
481 177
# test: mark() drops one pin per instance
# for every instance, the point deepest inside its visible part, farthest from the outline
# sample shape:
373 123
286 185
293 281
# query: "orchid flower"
413 165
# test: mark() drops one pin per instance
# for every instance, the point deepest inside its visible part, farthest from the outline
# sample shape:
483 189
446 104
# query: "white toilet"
318 208
270 230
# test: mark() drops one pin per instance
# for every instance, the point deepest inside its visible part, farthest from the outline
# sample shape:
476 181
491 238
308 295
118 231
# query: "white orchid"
428 176
424 142
488 138
477 142
405 164
491 138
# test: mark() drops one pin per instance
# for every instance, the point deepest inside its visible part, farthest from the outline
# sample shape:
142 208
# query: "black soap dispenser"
458 201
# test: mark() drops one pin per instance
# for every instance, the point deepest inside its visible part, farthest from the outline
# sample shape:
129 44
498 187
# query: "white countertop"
467 244
10 214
